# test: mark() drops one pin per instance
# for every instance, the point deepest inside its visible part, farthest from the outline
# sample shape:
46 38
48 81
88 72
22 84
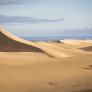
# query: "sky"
47 18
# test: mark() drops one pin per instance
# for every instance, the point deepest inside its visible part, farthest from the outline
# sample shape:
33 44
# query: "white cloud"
21 19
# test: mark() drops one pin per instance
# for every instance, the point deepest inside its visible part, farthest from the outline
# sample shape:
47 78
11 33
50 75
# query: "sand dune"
9 42
72 42
76 42
27 66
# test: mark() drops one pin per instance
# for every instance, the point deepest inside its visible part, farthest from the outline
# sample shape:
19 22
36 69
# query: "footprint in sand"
52 83
73 85
90 66
76 85
79 85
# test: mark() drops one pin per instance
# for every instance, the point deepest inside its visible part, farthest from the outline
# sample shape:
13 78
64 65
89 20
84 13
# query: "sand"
26 66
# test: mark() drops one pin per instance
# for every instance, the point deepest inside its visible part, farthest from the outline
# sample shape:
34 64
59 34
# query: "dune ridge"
12 43
9 42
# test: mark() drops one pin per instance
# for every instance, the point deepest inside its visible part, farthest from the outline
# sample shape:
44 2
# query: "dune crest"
10 43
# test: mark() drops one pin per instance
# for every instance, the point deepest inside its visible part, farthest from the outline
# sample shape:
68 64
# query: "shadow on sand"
89 48
89 90
10 45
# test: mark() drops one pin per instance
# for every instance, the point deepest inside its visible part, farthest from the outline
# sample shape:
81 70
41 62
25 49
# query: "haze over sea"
57 38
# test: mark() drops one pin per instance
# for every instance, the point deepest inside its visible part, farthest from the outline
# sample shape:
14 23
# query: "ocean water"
56 38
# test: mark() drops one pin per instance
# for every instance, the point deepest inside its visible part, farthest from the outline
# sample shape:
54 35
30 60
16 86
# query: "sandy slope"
25 72
9 42
51 67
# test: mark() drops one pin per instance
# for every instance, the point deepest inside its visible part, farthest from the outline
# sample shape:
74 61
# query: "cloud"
10 2
6 2
21 19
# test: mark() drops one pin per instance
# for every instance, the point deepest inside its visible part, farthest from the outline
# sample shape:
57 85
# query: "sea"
56 38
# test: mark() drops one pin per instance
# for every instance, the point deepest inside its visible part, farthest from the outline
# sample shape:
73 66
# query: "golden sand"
26 66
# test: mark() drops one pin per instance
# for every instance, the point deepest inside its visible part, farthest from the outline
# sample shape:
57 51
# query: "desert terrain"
53 66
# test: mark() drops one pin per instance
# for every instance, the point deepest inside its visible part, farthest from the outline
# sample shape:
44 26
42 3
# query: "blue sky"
46 17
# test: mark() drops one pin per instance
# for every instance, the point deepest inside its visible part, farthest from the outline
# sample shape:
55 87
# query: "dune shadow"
89 90
86 68
89 67
11 45
22 48
89 48
19 48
